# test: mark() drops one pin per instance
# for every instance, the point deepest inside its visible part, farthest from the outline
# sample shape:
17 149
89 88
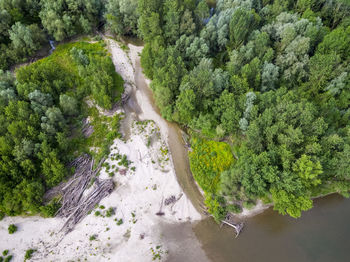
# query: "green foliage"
28 254
272 76
12 229
110 212
25 39
122 17
5 252
8 258
40 122
66 18
215 208
234 209
50 209
208 160
288 203
92 237
2 215
157 253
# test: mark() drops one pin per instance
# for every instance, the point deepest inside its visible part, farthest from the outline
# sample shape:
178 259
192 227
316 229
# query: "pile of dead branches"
75 203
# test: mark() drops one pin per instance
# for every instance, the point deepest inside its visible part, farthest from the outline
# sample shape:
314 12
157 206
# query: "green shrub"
120 222
234 209
5 252
92 237
110 212
51 208
2 215
8 259
29 254
12 228
248 204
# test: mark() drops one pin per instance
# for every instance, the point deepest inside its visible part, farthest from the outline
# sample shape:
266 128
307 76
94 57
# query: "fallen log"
238 227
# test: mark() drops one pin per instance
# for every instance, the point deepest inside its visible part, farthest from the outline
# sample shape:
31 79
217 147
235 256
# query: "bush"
110 212
8 259
2 215
248 204
50 209
5 252
92 237
29 254
12 228
234 209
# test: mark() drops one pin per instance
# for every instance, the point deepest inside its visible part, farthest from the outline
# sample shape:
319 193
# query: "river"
319 235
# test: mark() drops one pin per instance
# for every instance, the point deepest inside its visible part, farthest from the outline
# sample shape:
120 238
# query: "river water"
320 235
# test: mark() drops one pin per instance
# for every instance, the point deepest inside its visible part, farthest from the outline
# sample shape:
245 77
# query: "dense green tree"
242 23
25 39
122 16
69 105
65 18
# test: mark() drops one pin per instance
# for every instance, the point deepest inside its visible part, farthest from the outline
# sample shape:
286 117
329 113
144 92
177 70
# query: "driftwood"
76 204
160 212
172 200
104 188
229 221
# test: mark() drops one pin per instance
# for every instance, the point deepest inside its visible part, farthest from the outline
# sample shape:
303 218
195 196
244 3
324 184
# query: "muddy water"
321 235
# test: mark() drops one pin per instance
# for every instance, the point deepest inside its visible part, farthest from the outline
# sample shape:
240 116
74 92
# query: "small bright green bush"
29 254
110 212
12 229
92 237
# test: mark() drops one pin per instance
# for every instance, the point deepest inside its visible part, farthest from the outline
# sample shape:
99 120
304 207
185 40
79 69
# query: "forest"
262 87
268 78
42 110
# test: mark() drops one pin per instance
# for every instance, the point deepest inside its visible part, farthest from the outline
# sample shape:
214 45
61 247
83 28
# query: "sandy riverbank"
134 229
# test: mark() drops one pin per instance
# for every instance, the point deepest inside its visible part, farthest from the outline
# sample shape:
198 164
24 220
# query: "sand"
136 199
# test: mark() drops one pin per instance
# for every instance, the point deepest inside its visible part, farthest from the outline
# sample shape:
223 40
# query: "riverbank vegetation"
42 111
273 75
270 75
